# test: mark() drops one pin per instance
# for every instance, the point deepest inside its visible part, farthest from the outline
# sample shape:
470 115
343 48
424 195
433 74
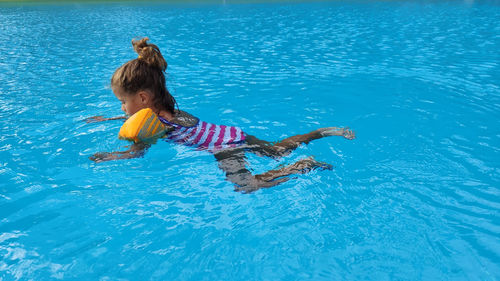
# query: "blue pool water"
415 197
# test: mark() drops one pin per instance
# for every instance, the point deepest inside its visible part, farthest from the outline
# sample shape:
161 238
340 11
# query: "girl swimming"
140 83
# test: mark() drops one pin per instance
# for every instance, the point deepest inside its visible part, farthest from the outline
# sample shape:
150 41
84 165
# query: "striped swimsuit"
205 135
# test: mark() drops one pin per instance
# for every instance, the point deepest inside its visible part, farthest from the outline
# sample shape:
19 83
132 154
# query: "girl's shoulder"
184 119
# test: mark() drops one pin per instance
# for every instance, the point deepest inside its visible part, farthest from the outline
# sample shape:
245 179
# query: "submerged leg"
300 167
284 147
233 163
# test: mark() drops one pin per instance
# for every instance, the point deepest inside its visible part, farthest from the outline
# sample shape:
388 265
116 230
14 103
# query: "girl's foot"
257 184
306 165
335 131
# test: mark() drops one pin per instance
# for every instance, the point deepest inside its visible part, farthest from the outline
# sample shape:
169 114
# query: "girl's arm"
99 118
136 150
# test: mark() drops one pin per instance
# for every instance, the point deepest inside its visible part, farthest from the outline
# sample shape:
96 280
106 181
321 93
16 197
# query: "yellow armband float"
143 126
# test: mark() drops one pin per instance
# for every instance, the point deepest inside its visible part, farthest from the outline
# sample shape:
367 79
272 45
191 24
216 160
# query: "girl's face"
131 103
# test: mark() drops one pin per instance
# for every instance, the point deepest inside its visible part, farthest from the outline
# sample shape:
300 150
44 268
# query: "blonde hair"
145 73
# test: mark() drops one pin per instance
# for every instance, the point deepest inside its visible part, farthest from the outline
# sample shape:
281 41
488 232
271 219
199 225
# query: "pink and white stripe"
207 136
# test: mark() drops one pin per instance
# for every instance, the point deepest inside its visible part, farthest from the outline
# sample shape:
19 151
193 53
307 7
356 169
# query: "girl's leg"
300 167
233 163
284 147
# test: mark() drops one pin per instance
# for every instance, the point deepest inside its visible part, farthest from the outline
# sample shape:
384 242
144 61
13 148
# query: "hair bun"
149 53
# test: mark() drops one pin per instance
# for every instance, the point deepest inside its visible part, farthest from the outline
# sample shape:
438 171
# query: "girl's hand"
99 118
103 156
94 119
135 150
